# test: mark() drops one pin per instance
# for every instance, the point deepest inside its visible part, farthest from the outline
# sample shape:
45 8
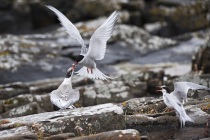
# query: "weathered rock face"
125 87
201 60
147 116
31 108
81 121
128 134
147 104
180 19
24 16
23 96
129 36
20 56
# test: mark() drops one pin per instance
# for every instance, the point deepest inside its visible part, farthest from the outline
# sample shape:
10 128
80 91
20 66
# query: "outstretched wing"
70 28
98 40
181 89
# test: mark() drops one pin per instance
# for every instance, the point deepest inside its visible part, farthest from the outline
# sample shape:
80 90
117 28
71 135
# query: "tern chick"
172 102
64 97
97 45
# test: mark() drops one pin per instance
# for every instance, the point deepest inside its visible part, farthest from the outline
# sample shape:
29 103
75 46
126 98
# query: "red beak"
74 65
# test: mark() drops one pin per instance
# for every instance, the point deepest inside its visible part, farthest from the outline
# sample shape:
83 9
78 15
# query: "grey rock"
42 100
1 107
128 134
98 118
89 97
92 9
129 36
17 101
8 92
28 60
18 133
143 123
136 86
62 136
179 18
145 105
28 109
119 90
140 40
198 110
200 61
115 91
156 124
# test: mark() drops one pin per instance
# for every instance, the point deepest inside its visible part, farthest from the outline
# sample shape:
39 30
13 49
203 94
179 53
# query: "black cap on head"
79 58
69 73
166 88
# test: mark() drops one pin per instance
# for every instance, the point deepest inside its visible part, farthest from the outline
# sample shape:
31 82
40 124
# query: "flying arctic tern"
64 97
172 102
97 45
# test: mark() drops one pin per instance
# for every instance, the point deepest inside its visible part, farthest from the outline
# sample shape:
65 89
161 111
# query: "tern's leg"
87 70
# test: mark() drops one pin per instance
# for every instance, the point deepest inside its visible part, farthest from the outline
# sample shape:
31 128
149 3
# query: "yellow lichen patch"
124 104
4 53
26 45
205 107
207 99
8 102
18 124
77 104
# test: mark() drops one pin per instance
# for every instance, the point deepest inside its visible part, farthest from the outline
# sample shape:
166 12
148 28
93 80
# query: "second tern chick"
64 97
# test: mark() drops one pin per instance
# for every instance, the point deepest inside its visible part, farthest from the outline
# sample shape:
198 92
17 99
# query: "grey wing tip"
48 6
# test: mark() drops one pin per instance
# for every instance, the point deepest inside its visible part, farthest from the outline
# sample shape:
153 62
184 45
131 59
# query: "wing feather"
70 28
181 89
98 40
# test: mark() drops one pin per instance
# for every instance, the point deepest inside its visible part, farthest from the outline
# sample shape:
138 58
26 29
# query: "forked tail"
93 74
184 117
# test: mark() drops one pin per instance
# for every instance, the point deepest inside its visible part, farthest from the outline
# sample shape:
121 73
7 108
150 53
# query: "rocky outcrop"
201 60
25 16
20 55
149 119
128 134
143 117
180 19
129 36
81 121
19 95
